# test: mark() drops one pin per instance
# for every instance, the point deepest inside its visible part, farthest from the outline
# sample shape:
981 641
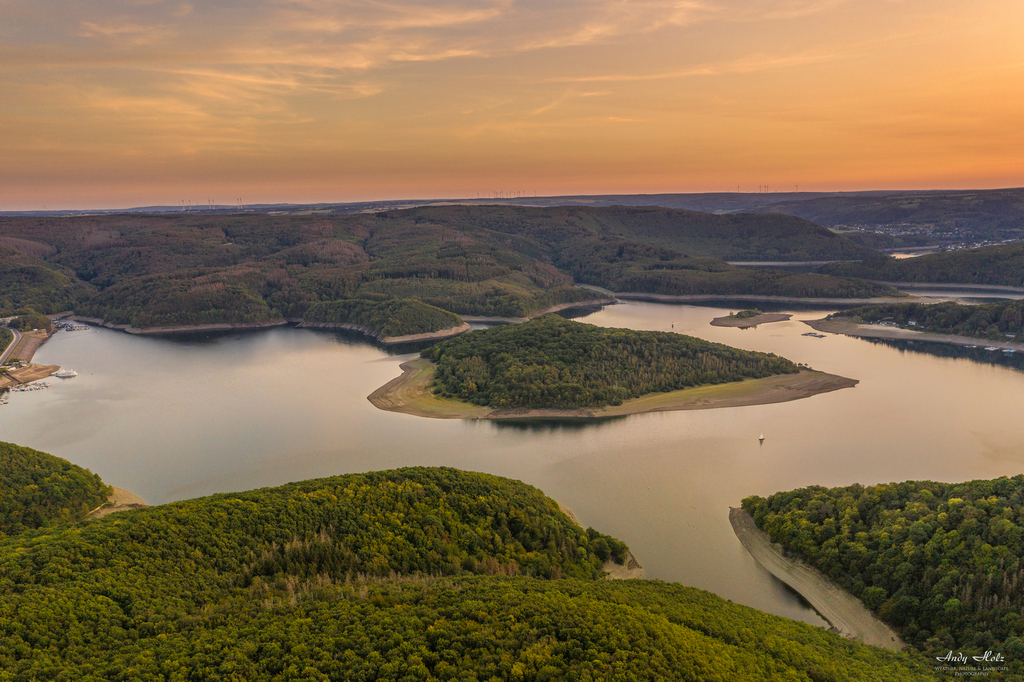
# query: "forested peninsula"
190 269
554 362
1000 321
940 562
427 574
553 367
39 490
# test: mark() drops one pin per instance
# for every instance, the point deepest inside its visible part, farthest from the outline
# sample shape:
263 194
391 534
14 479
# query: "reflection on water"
554 425
171 419
947 350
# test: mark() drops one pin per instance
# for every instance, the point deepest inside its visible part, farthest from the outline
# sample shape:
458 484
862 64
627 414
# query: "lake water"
171 419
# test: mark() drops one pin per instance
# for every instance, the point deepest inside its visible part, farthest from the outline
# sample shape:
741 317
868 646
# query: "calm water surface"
172 419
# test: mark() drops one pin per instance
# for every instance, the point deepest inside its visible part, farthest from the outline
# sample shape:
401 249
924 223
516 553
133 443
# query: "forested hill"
941 562
552 362
1000 321
992 265
188 269
414 574
39 490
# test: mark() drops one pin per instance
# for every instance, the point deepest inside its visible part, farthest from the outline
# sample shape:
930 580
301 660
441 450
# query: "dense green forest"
28 319
992 265
941 562
5 339
554 362
184 269
413 574
396 317
40 490
27 282
997 321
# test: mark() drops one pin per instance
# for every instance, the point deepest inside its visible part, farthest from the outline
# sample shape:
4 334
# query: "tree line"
996 321
940 562
557 363
419 573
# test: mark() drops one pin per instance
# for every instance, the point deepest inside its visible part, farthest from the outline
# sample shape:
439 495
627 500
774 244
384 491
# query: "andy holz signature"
959 657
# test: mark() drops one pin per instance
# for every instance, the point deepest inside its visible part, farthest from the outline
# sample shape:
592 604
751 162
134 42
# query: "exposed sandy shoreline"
844 612
594 303
630 569
119 500
180 329
408 394
747 322
755 298
389 340
853 326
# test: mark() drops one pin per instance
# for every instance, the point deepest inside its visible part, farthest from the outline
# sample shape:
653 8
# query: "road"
7 351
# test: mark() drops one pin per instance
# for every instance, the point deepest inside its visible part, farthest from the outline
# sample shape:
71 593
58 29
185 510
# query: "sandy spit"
844 612
747 322
119 500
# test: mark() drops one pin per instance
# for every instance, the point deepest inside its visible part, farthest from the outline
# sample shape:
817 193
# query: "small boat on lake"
65 373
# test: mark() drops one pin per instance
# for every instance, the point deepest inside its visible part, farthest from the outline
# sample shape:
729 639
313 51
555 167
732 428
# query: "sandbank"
408 394
854 326
119 500
747 322
844 612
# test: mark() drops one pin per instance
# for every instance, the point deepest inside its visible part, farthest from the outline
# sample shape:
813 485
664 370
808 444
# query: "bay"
173 419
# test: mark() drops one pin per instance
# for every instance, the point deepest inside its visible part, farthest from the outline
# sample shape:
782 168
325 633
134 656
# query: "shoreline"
748 322
388 340
119 500
408 394
758 298
485 319
844 612
366 331
853 327
9 378
629 569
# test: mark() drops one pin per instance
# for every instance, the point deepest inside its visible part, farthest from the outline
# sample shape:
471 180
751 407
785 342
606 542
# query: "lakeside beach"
409 394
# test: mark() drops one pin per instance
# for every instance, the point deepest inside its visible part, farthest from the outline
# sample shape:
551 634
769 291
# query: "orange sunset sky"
117 103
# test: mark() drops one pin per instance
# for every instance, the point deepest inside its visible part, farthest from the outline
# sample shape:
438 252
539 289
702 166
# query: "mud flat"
854 326
844 612
408 394
119 500
747 322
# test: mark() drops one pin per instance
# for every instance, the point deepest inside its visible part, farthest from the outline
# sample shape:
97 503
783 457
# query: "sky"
118 103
